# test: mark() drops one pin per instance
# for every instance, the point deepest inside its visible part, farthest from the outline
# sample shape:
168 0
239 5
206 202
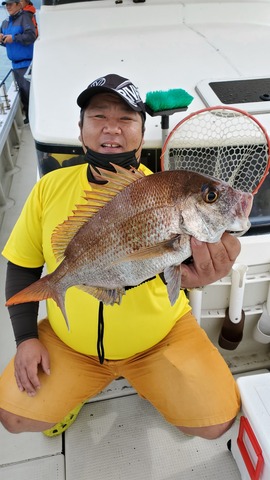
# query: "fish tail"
39 290
42 289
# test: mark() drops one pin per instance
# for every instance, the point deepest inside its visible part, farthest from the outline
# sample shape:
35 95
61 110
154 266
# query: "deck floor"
125 438
119 436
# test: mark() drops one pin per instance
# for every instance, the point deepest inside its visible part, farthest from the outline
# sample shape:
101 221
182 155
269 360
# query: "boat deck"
118 435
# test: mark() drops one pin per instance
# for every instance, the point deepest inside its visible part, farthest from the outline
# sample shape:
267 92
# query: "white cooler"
250 443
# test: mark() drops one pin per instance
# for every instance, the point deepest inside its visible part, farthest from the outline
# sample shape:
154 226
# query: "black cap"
113 83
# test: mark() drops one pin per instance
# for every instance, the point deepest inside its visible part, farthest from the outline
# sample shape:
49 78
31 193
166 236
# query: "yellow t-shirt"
145 315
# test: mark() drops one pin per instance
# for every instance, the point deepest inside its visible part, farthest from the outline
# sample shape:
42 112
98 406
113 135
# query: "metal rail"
11 122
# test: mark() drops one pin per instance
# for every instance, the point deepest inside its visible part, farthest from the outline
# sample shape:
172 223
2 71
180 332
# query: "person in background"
28 7
160 349
18 34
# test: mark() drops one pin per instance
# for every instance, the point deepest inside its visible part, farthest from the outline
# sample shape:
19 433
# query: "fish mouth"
241 225
239 232
246 203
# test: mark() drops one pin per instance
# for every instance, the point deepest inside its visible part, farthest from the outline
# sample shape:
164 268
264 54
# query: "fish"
132 227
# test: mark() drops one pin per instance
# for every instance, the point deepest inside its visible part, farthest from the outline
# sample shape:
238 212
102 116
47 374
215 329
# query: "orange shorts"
183 376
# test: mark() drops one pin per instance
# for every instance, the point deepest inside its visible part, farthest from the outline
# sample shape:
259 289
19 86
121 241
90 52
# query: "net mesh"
224 143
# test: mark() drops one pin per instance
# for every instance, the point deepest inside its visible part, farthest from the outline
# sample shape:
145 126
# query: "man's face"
110 126
13 8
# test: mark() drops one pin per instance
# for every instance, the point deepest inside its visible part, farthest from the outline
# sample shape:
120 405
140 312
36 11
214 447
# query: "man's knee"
16 424
209 433
10 421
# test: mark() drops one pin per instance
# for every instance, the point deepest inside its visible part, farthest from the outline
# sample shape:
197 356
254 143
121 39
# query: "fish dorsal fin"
119 179
96 198
64 233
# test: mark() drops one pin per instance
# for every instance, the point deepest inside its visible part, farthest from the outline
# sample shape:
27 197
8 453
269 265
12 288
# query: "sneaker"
26 121
62 426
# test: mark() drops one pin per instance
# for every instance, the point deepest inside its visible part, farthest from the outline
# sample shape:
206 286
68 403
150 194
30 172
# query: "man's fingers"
224 253
202 257
18 381
26 374
211 261
232 245
30 355
45 364
27 381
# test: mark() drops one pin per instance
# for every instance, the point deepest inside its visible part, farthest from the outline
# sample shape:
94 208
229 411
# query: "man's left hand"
7 39
211 261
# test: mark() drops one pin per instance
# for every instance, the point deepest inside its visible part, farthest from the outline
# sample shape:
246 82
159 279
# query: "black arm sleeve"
23 316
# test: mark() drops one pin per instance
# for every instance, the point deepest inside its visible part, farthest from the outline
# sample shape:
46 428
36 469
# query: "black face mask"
103 160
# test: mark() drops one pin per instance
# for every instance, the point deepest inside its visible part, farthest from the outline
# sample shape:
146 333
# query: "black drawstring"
100 346
100 335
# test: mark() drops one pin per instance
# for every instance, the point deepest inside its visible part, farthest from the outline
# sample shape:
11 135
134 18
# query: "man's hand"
6 39
30 355
211 261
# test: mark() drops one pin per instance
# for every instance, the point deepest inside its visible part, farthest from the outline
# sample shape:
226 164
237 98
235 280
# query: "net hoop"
235 151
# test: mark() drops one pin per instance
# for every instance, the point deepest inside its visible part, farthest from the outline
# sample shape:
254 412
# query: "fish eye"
210 194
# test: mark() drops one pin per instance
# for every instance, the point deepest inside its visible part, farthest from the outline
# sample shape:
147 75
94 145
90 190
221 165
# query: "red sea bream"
134 228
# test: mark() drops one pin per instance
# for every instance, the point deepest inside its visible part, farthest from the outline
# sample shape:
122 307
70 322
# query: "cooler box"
250 443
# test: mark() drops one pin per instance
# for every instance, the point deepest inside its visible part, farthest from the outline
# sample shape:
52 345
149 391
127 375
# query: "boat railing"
4 100
11 122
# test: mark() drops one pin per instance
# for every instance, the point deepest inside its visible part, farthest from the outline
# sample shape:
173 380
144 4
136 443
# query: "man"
18 34
159 348
28 7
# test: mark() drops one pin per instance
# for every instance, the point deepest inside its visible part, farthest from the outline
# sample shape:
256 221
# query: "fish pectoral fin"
172 277
152 251
105 295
